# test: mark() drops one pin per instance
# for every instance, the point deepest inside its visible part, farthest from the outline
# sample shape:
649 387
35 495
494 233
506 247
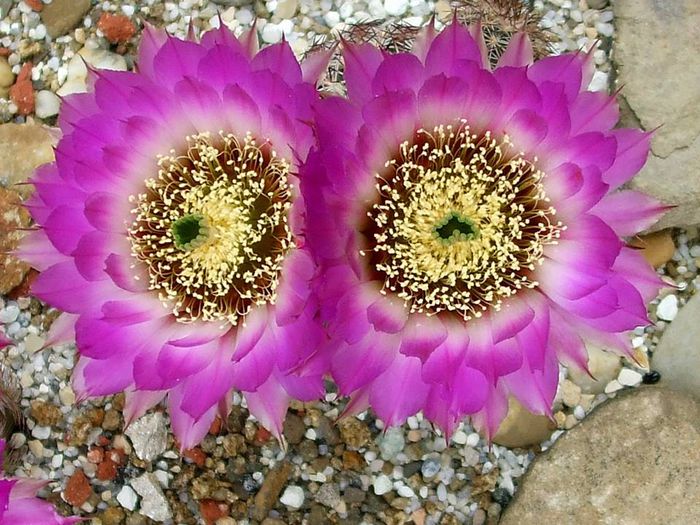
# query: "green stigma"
455 227
190 231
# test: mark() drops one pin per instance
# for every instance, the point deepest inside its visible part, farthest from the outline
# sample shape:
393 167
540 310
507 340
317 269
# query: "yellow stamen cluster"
460 222
212 227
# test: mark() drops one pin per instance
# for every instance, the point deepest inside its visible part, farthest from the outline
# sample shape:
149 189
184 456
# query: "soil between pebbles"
349 473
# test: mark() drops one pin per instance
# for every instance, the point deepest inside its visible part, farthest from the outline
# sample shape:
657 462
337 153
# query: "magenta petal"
177 59
566 69
65 227
635 269
316 64
442 363
124 273
138 402
246 111
203 391
188 430
90 255
387 314
423 41
361 63
629 212
37 250
355 366
399 72
519 52
268 403
632 150
421 336
594 111
452 45
222 66
102 377
250 332
252 370
400 391
535 389
567 344
62 330
527 130
151 42
280 59
470 389
62 286
489 418
100 213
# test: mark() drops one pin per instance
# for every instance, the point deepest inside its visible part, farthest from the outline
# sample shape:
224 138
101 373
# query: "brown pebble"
22 92
45 414
95 455
116 28
112 420
78 489
216 426
353 460
354 432
270 490
212 510
107 470
657 248
196 456
36 5
113 516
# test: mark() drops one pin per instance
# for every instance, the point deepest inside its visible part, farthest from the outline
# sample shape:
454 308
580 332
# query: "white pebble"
382 484
395 7
405 492
41 432
667 308
473 439
629 377
47 104
293 497
127 498
57 461
460 437
271 33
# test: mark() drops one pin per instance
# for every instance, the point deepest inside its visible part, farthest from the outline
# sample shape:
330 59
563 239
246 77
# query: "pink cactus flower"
169 231
20 506
468 221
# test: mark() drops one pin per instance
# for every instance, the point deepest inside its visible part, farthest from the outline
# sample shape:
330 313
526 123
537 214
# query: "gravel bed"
351 473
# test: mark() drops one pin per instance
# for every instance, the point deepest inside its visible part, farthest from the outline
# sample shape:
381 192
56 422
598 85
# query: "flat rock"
677 356
660 72
12 216
634 460
149 436
270 490
521 428
153 502
60 16
23 148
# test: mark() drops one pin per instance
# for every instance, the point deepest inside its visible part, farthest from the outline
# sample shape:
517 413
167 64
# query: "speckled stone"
634 460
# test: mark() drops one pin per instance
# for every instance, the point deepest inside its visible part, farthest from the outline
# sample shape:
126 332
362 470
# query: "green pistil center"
190 231
454 227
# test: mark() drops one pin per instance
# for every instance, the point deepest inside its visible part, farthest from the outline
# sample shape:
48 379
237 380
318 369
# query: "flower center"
212 227
190 231
455 228
459 222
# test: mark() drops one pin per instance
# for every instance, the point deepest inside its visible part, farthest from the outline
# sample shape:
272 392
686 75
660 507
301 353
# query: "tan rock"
522 428
24 147
635 460
60 16
657 248
604 367
677 356
12 217
286 9
660 72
